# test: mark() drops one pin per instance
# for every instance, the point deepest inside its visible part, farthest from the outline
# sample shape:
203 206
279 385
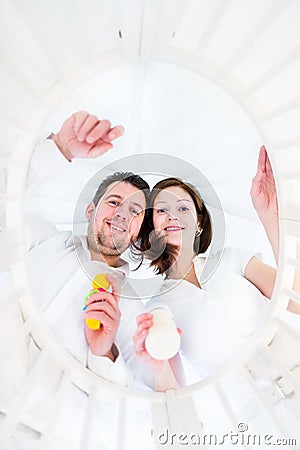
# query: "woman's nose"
172 216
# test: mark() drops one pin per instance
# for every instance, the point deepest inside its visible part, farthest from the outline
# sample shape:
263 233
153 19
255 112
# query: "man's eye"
113 202
135 212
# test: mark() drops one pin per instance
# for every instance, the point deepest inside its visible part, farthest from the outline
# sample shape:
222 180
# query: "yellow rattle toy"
100 284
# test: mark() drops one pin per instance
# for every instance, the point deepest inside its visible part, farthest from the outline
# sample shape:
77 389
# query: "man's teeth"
117 228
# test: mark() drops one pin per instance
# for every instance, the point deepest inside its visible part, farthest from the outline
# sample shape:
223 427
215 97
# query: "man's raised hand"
83 135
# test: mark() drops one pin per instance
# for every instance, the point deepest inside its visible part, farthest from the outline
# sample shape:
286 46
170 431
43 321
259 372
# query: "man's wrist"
113 353
54 137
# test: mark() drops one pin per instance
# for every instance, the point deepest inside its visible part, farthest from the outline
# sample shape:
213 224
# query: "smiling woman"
199 304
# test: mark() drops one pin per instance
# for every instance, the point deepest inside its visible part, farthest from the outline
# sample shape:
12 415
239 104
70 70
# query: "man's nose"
122 213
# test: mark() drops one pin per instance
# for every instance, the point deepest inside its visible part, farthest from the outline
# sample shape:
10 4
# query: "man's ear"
89 210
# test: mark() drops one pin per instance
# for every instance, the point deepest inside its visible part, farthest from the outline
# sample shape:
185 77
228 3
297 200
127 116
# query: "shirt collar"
79 242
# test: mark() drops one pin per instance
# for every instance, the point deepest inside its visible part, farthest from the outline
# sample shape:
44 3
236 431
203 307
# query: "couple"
122 213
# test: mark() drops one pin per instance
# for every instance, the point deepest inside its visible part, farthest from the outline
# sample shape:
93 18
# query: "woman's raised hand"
263 190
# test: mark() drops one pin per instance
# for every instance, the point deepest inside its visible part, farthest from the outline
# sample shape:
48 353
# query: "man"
115 217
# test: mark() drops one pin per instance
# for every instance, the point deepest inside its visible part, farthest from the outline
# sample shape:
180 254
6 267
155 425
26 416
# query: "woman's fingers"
145 322
261 165
144 326
142 317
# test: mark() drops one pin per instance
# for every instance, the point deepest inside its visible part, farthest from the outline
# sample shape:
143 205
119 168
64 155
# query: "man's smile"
116 227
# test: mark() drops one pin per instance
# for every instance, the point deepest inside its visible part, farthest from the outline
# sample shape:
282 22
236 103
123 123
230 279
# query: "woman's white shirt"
219 319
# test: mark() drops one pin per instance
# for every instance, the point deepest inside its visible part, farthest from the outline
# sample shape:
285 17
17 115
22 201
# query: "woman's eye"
183 208
161 210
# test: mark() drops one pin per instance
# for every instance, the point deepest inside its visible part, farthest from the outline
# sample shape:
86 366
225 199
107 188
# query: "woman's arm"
167 374
264 199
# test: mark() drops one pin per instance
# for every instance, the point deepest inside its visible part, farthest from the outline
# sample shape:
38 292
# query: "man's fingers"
98 131
115 132
79 118
99 149
114 285
102 297
104 307
103 318
86 127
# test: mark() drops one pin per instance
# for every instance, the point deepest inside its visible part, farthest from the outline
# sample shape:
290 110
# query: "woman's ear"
89 210
199 227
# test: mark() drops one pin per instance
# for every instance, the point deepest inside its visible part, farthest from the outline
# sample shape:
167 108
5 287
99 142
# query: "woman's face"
174 214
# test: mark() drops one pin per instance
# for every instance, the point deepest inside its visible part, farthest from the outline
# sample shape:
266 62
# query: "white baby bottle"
163 340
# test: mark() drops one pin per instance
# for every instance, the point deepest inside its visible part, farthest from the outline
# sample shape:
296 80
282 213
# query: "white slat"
10 247
292 211
47 436
262 400
131 27
121 425
13 341
292 332
292 227
293 262
234 420
285 372
279 66
275 9
160 422
88 420
13 415
292 295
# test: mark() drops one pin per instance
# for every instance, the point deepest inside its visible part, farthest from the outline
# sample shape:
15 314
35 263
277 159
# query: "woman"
220 314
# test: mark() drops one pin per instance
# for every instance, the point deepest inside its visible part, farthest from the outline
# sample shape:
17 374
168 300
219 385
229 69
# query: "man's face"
116 220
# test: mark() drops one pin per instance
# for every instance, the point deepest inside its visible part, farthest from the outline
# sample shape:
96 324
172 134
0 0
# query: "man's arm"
82 135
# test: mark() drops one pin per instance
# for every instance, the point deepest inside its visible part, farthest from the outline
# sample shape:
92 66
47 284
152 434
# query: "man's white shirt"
59 280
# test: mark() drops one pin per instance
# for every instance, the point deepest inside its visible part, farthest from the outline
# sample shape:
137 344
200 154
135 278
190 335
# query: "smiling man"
115 217
115 221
